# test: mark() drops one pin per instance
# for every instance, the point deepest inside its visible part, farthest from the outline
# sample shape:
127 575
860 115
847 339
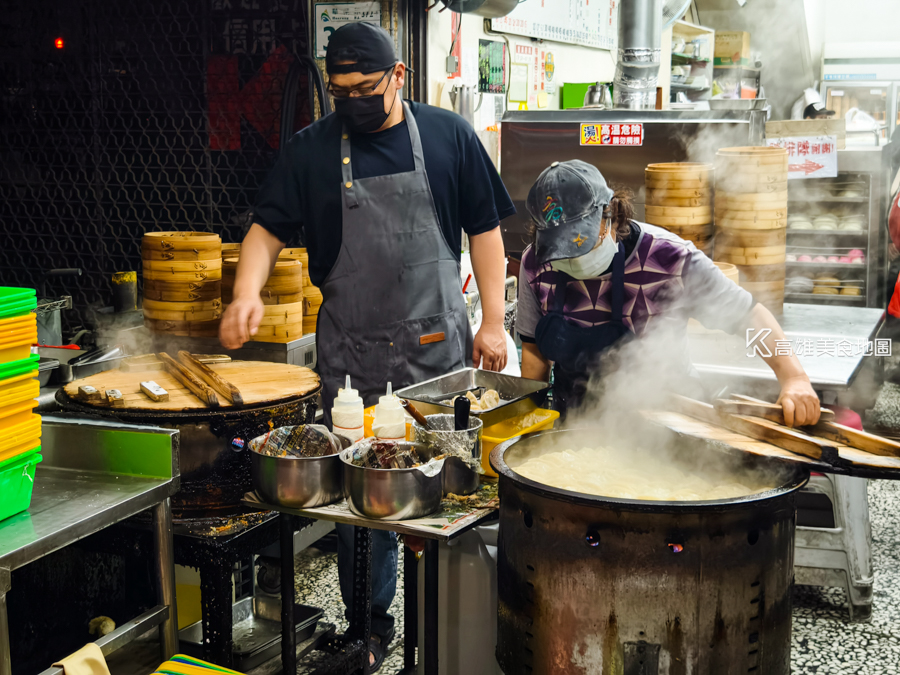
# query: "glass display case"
835 247
877 99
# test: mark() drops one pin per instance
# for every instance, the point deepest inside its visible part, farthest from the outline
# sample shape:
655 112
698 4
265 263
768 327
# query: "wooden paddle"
210 377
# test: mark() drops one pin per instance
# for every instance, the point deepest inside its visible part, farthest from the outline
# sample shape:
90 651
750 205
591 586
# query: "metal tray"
256 632
517 394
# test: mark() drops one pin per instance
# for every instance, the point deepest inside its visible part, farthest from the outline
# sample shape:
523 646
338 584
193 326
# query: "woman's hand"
799 401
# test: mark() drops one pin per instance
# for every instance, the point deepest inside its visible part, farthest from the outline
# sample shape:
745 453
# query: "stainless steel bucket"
297 482
390 494
458 478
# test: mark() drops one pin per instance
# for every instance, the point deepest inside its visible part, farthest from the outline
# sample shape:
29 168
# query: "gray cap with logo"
566 203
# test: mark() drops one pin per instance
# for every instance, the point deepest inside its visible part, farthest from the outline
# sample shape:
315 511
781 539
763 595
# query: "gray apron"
392 307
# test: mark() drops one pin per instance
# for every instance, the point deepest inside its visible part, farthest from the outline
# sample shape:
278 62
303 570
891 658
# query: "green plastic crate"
16 301
20 367
17 482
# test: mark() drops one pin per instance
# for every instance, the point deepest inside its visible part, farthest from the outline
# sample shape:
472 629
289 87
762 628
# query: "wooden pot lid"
259 382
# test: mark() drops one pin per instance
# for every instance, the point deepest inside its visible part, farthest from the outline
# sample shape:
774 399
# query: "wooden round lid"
260 383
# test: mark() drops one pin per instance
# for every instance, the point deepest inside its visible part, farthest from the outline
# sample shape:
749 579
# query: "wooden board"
762 430
853 461
259 383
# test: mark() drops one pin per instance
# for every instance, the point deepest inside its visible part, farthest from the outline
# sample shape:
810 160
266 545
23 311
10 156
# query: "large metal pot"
599 586
213 457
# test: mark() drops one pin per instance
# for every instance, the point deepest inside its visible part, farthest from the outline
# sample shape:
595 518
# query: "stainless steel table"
93 475
445 525
830 336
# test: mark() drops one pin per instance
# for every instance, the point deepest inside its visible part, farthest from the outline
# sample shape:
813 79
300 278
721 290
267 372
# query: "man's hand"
799 401
240 321
489 348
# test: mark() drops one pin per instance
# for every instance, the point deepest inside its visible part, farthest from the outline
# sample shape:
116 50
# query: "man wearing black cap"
381 192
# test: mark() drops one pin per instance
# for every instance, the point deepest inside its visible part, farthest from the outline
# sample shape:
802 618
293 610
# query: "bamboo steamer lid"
181 240
729 270
694 212
693 193
184 328
670 221
680 168
730 223
775 272
751 258
663 182
744 238
157 254
176 315
274 315
654 200
198 306
181 265
269 299
185 277
162 291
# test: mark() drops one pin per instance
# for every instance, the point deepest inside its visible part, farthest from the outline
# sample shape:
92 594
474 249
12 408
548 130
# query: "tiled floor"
825 642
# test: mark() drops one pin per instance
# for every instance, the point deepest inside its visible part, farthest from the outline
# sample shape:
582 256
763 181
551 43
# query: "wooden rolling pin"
194 384
212 378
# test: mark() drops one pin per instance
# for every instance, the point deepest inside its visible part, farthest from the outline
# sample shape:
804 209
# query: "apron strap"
618 284
414 138
559 291
348 187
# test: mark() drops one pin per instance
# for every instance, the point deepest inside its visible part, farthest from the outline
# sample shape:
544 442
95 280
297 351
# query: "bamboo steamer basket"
181 278
284 285
181 241
679 198
184 328
751 211
162 291
730 271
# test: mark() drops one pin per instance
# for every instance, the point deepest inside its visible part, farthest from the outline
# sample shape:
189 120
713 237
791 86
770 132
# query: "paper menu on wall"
590 23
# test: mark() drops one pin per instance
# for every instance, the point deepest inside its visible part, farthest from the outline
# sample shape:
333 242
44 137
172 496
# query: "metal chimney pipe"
637 67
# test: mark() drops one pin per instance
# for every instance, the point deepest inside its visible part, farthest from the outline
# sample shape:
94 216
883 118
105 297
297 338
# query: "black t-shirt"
303 190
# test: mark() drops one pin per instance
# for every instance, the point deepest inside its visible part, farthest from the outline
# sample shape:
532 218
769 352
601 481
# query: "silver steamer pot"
599 586
214 453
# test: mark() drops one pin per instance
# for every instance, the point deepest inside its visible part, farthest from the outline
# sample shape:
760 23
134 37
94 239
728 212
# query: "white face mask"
591 264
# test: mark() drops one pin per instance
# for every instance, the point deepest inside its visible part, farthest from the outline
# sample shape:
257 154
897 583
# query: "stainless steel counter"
830 337
95 474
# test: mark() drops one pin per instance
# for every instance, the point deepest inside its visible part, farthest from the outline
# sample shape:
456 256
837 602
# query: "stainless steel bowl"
297 482
458 478
390 494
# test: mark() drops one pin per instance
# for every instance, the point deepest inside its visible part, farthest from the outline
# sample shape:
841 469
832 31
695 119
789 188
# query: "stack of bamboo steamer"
182 287
312 296
680 199
751 218
282 298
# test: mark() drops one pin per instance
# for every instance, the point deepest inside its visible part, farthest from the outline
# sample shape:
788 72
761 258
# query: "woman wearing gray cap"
594 277
381 192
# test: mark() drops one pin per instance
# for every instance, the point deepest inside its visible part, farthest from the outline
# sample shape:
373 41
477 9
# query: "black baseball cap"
359 48
814 110
566 203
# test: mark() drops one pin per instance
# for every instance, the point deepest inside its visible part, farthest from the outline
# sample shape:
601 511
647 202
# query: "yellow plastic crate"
539 419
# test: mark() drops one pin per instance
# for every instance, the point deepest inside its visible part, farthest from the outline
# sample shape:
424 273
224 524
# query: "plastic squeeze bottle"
390 418
347 413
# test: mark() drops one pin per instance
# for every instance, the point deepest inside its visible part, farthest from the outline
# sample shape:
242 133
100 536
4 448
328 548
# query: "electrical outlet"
452 64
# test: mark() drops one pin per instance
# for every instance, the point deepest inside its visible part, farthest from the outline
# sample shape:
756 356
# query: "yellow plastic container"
20 449
16 390
13 415
538 419
16 435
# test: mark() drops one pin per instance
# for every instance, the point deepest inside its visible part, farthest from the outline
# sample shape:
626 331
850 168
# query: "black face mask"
363 114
